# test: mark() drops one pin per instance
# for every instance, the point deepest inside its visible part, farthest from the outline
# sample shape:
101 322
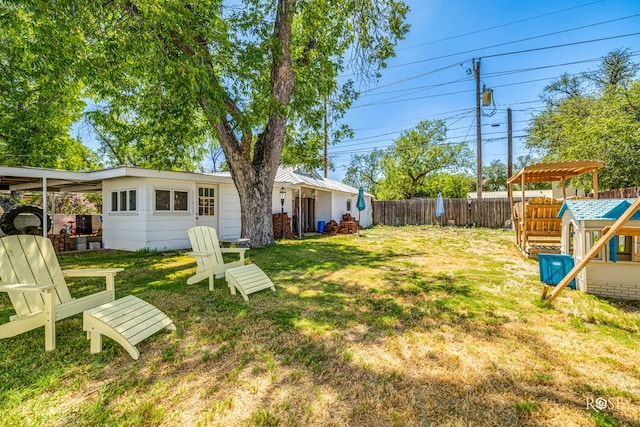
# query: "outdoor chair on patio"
247 279
30 274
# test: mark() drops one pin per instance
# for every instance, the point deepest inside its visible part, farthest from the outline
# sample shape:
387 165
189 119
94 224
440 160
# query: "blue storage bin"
553 268
321 225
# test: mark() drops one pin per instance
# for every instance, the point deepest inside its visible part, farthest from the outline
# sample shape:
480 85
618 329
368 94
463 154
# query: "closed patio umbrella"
440 206
360 203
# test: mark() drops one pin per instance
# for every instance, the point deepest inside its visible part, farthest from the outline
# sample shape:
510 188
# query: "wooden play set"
567 235
535 221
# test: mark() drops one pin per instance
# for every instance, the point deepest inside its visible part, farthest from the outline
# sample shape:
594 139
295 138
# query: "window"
636 248
206 201
180 201
624 248
123 201
171 201
592 239
132 200
348 205
572 239
163 200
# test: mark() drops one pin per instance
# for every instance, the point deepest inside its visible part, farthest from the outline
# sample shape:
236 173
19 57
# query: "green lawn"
393 327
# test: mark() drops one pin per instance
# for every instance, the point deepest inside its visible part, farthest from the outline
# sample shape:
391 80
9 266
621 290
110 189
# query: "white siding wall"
339 208
146 228
124 230
324 203
229 211
168 230
366 216
339 205
276 207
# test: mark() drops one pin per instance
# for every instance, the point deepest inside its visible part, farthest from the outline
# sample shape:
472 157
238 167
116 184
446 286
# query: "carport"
47 180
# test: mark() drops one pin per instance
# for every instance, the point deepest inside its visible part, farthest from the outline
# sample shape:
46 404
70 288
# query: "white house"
151 209
615 271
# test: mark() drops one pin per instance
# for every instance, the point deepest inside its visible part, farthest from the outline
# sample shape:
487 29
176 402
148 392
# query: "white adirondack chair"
31 276
247 279
208 255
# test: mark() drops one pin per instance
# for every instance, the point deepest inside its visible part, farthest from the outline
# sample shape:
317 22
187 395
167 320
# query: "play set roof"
555 171
597 209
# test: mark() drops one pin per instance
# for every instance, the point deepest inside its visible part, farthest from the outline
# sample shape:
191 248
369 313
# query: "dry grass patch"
394 327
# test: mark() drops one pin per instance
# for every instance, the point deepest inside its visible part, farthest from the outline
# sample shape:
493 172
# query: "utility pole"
476 75
509 144
509 156
326 137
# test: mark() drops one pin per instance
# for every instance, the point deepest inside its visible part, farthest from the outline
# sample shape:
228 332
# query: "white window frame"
591 240
635 251
172 195
210 209
118 195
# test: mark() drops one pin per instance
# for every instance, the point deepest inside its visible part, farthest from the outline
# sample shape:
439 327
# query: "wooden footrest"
248 279
127 321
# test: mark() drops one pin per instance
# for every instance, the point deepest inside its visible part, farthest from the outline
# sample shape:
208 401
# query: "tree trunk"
253 167
255 189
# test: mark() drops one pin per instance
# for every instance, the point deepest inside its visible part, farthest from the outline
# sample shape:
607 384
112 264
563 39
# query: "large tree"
249 70
416 156
451 185
494 176
597 118
366 171
39 98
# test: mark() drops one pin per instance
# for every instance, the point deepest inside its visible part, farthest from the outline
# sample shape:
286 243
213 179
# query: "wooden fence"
486 213
622 193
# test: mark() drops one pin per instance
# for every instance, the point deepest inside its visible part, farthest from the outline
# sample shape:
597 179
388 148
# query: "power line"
515 41
395 100
463 79
560 45
414 77
504 25
493 74
345 144
494 56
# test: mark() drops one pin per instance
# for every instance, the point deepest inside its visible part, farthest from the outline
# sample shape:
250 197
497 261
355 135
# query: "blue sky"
428 77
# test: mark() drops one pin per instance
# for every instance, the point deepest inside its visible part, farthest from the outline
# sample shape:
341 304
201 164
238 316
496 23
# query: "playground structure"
537 226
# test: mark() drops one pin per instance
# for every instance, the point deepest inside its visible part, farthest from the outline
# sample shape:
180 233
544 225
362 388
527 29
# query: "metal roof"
597 209
555 171
296 176
30 178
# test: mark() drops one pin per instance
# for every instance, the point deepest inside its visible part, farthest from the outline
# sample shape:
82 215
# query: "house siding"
168 230
124 230
230 214
324 205
147 229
